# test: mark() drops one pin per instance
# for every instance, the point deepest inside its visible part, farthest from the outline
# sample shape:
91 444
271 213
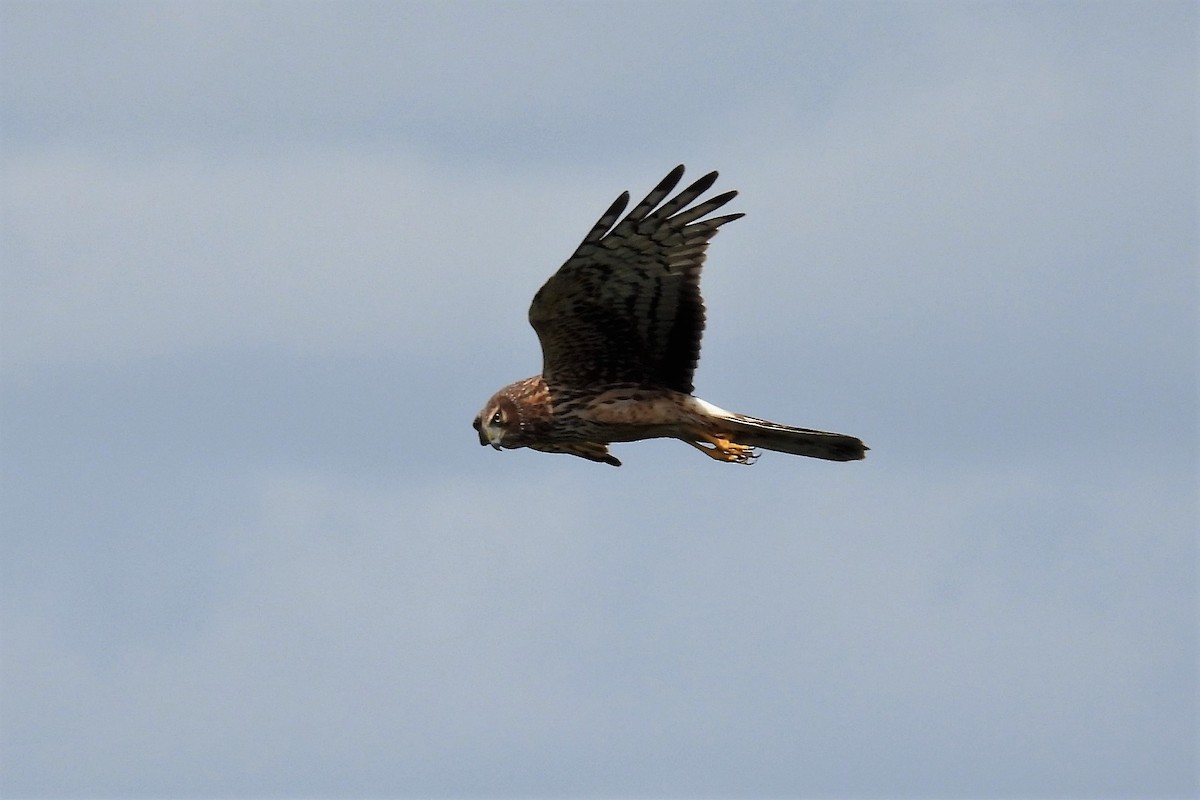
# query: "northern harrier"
620 326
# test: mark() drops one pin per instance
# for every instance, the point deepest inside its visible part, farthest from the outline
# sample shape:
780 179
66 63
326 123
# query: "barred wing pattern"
626 307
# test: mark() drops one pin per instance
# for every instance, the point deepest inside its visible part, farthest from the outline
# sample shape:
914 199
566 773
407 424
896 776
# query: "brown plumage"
620 326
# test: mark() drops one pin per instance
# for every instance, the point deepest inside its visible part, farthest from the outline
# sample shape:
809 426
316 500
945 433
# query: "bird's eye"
497 418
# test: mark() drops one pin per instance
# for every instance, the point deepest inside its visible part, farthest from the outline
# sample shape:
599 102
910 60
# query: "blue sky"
262 263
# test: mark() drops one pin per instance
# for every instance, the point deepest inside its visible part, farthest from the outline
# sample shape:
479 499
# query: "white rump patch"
708 409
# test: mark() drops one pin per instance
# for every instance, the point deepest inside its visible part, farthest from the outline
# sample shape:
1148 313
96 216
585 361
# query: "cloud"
260 270
412 641
308 253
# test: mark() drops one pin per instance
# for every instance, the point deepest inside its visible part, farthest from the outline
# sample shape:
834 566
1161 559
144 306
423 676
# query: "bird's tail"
754 432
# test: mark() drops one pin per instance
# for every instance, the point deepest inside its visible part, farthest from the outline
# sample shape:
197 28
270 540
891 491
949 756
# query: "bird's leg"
724 449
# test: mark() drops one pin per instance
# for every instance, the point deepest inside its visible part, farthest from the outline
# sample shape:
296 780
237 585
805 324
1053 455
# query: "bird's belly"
627 415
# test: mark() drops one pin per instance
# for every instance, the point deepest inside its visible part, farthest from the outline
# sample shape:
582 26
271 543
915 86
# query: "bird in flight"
620 326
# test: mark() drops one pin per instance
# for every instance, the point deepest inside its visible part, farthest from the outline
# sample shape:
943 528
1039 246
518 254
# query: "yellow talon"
724 449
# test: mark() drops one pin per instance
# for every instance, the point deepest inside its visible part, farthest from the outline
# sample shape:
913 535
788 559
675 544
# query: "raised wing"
626 307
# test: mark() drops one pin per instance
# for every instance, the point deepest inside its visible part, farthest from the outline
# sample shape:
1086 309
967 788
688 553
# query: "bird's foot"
723 449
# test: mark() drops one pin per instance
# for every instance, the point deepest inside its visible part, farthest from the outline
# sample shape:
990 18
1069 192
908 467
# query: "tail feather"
797 441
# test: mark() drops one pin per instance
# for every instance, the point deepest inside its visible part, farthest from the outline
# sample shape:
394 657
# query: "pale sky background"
263 262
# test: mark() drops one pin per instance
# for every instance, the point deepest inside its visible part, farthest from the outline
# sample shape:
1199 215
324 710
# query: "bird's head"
499 423
515 416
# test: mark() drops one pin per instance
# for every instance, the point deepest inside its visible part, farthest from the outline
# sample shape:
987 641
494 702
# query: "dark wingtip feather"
607 219
702 184
672 178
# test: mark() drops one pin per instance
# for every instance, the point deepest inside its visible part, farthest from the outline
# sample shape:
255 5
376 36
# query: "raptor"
620 326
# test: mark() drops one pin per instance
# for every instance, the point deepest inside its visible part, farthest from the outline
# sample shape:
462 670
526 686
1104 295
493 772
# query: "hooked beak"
485 436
